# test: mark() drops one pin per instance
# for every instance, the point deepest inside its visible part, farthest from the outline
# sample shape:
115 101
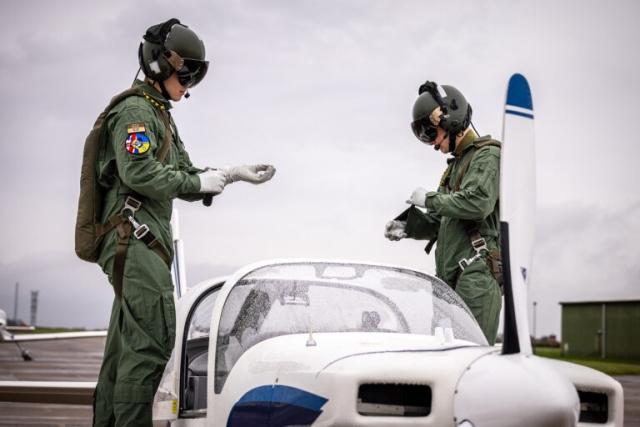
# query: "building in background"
604 328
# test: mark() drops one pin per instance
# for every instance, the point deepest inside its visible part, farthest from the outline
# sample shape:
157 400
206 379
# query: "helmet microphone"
187 94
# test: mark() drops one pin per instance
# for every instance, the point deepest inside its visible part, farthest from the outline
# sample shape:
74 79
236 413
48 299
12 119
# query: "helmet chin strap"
164 91
452 142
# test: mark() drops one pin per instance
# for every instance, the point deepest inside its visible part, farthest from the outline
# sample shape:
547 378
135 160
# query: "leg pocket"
169 311
479 290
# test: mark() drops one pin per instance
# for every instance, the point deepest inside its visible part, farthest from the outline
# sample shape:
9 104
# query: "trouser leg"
147 335
103 415
480 291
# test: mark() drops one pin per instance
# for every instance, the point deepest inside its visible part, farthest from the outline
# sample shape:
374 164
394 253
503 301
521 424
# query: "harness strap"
125 228
124 235
491 259
102 229
462 171
156 246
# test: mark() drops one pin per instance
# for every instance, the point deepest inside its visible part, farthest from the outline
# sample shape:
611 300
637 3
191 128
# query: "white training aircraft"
6 335
338 343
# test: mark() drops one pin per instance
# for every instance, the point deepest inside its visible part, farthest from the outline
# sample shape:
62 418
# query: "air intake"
594 407
398 400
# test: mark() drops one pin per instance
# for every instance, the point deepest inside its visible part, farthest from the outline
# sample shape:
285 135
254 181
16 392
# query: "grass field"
608 366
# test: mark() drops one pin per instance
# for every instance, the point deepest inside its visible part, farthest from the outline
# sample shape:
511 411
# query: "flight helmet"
443 106
172 46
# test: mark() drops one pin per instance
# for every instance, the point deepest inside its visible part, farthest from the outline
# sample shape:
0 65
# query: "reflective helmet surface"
454 115
155 52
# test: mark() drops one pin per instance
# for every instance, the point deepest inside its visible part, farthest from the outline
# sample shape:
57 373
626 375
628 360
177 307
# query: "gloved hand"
212 181
395 230
418 198
255 174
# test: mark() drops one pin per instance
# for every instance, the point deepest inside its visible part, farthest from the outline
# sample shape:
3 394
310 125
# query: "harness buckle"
132 205
479 245
464 263
140 230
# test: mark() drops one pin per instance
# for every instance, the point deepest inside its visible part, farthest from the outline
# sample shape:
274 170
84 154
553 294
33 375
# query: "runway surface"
79 360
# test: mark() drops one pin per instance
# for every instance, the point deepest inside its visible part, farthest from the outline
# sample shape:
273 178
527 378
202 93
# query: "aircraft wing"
66 393
9 337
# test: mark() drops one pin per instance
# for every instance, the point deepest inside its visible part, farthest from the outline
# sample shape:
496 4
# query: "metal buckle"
464 263
131 204
140 231
479 244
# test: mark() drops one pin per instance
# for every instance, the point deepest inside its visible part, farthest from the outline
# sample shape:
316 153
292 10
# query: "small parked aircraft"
6 335
344 343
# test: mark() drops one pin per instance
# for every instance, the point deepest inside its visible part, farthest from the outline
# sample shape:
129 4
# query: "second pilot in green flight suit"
463 214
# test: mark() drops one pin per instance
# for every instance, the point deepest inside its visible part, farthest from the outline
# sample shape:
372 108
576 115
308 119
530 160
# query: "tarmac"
79 360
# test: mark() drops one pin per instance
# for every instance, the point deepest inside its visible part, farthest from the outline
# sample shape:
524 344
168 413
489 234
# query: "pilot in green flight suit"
132 171
463 215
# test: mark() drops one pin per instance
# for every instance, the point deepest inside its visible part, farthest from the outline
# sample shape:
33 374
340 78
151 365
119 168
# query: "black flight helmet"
442 106
172 46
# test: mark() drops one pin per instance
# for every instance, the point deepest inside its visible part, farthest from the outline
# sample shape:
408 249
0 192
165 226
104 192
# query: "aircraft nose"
510 390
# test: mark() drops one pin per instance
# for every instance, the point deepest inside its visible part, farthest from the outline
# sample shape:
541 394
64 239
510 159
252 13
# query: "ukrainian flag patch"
137 143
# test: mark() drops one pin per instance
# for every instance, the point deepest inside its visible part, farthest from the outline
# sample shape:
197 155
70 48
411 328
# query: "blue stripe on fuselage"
276 406
284 394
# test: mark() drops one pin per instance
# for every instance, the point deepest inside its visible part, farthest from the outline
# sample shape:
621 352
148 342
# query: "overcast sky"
324 91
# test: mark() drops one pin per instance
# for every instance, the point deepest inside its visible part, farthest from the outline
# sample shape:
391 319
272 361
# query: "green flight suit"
142 325
447 211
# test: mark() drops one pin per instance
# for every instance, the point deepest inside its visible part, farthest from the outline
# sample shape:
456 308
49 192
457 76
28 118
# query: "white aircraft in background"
6 335
340 343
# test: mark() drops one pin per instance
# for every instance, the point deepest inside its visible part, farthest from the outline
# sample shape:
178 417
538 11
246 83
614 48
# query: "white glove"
255 174
418 198
211 181
395 230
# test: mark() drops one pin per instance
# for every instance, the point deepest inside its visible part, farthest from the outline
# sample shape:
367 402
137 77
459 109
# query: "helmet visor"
424 130
192 72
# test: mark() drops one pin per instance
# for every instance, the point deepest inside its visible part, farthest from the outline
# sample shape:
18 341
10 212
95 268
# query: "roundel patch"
137 143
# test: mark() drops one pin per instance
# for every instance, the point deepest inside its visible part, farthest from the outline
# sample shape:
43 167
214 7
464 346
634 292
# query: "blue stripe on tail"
519 113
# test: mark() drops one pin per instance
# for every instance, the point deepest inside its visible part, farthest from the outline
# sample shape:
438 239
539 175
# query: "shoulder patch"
135 128
137 143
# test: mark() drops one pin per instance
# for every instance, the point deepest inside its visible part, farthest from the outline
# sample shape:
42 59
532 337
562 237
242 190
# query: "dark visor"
424 130
192 72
